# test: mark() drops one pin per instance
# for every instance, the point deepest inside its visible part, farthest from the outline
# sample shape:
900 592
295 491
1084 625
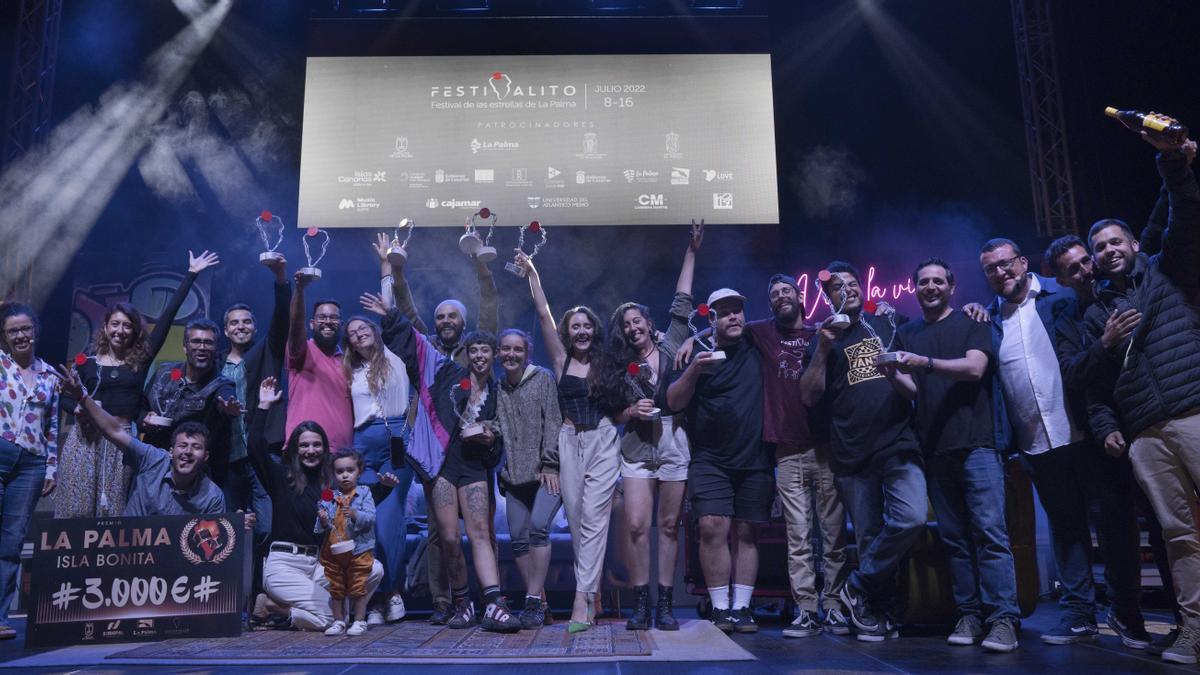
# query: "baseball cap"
724 294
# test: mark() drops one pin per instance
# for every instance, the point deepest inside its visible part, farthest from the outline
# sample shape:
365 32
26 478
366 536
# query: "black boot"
641 611
663 618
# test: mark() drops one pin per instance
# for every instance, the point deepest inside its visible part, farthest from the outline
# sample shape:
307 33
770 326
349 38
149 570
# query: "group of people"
1091 376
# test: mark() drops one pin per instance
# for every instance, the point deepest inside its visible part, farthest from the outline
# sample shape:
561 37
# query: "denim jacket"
362 528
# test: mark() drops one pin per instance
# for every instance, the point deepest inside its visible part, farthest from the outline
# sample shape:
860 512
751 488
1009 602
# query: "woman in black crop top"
589 389
93 478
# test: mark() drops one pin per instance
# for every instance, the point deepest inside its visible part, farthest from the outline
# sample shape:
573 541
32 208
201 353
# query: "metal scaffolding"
32 85
1045 128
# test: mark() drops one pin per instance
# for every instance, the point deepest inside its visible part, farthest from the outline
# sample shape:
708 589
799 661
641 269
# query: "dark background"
898 130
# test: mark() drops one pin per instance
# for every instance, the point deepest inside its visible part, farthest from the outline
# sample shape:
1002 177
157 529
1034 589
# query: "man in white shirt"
1053 445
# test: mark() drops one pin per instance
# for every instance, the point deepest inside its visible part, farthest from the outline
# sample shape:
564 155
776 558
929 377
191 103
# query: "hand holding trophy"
837 320
704 310
397 253
471 243
269 227
311 270
536 228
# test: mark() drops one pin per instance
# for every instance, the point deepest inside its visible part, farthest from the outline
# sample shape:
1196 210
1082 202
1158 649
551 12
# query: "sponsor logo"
363 178
720 176
443 176
552 173
650 202
680 176
113 625
582 177
564 203
534 202
206 540
641 175
145 623
672 146
439 176
401 151
485 175
434 203
359 204
345 204
477 145
89 631
519 178
591 147
723 200
431 203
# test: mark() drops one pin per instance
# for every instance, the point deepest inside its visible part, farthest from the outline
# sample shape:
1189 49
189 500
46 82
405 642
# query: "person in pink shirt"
317 388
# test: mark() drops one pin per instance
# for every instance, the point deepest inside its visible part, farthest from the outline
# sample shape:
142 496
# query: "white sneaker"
395 610
356 628
374 617
336 628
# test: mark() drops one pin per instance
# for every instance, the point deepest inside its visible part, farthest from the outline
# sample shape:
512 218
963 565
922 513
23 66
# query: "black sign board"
135 579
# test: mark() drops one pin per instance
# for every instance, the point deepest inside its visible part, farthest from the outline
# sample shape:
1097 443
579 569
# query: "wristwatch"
929 364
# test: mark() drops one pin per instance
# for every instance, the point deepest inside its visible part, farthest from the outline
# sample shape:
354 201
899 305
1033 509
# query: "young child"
348 515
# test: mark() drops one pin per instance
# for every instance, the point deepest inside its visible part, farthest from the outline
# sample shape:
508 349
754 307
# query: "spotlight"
616 5
717 4
463 5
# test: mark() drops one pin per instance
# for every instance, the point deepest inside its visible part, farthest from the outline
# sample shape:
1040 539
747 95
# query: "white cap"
723 294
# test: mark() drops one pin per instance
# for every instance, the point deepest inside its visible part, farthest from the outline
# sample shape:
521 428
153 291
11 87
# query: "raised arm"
1181 241
1156 224
401 293
277 334
109 426
681 305
489 298
297 333
554 346
196 265
269 394
812 382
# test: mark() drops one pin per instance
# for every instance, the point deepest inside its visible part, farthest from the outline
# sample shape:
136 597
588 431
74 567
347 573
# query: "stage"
698 648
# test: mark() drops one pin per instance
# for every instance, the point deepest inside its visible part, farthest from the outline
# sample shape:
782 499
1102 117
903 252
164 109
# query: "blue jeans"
967 490
888 507
374 442
21 476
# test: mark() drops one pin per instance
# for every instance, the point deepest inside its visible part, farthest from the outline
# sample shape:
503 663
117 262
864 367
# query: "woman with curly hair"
654 448
589 393
94 479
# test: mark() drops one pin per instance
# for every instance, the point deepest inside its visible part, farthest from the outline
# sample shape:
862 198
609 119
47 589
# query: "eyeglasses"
1006 265
202 342
19 330
362 332
327 318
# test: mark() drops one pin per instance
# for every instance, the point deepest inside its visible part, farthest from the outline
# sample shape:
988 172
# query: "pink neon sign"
874 292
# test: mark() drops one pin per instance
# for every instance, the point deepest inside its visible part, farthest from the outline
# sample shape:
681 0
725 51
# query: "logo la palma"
207 540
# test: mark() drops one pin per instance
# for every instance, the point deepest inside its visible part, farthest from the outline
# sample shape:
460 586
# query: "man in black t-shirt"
951 361
730 480
876 456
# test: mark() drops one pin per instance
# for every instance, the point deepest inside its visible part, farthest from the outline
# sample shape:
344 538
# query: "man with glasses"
1032 415
317 388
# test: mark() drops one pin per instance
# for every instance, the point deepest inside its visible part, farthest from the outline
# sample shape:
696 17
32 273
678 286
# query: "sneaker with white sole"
967 631
357 628
375 617
1071 629
836 623
1186 647
1002 637
395 609
336 628
805 625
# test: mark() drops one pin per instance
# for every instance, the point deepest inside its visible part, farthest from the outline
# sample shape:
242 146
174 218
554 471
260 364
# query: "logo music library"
345 204
723 200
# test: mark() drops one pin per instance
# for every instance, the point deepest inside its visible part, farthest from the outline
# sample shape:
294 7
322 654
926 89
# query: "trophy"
265 223
311 270
637 376
397 254
471 244
80 360
468 419
536 228
839 320
704 310
156 417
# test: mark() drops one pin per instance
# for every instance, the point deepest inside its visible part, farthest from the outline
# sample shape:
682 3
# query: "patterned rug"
415 639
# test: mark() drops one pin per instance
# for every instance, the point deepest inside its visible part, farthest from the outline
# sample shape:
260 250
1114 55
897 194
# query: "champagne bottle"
1136 120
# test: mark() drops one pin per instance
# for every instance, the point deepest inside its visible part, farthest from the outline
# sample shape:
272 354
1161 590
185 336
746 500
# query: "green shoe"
580 626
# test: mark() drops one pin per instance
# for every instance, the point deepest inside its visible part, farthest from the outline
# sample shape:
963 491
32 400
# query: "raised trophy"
269 227
637 376
311 270
536 228
397 253
161 406
838 319
472 244
468 419
704 310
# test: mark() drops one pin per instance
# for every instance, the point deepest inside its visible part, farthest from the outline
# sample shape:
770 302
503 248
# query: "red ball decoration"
497 76
80 359
870 306
633 369
176 374
327 495
312 231
703 309
266 216
535 227
465 384
824 276
485 212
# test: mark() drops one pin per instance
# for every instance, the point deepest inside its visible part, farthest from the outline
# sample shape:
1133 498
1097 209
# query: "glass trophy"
536 228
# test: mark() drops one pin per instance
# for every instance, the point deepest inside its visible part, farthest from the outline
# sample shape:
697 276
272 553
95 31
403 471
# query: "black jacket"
1153 376
265 359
